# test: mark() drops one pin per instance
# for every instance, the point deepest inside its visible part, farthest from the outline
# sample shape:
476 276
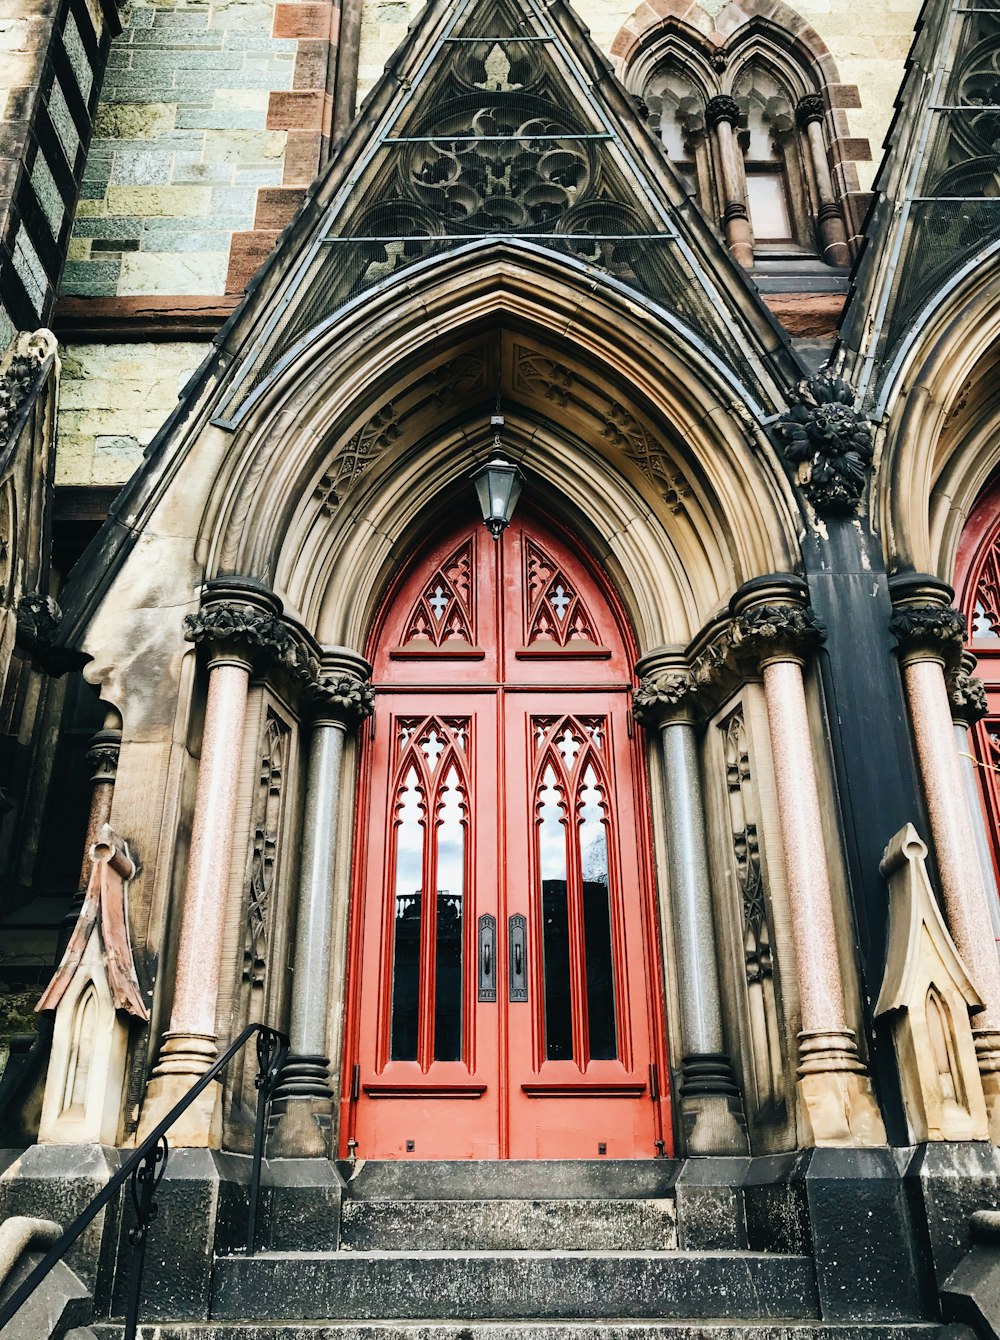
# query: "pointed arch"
620 420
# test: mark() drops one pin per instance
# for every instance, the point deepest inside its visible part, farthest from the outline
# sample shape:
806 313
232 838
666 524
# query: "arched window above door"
747 129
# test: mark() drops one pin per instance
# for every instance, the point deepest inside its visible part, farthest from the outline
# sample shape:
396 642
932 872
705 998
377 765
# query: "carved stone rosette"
827 442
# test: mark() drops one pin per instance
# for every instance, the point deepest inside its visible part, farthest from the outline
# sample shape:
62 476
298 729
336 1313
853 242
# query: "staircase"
529 1251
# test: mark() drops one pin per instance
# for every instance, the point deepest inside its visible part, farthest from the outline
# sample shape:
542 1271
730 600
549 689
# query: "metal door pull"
517 936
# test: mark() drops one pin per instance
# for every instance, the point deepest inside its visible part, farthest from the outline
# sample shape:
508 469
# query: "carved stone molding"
967 693
931 629
722 108
38 620
102 756
19 377
828 442
771 630
348 698
659 694
811 107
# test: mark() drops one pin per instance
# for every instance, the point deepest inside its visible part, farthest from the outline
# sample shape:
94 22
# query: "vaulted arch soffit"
367 429
941 408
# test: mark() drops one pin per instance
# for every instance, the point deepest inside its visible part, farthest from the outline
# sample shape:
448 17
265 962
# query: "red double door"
504 997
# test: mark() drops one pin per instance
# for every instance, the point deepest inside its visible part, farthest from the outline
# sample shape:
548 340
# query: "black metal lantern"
498 485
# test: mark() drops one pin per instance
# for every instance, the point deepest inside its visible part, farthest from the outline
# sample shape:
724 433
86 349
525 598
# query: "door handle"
517 938
487 957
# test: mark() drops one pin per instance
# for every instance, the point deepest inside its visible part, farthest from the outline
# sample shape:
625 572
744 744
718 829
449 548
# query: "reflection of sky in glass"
409 837
551 835
451 837
593 835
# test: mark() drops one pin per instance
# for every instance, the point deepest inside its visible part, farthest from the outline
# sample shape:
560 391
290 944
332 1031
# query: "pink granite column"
776 626
930 635
230 629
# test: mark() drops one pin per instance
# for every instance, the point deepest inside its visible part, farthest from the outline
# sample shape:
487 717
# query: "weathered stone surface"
635 1179
525 1330
503 1225
539 1285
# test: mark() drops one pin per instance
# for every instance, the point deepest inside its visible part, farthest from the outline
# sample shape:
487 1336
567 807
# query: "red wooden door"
514 1011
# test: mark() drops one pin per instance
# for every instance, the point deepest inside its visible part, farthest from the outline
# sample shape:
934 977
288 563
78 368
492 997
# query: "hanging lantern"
498 485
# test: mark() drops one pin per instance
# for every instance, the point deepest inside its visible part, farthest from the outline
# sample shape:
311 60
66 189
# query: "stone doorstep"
539 1225
509 1179
469 1285
518 1330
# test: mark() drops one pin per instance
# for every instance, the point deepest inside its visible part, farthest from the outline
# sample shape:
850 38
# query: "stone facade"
564 868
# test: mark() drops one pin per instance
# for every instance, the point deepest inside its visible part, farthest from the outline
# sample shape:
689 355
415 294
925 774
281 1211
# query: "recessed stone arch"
641 437
941 405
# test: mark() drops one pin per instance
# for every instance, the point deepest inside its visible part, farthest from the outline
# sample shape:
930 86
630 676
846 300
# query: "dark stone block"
300 1205
867 1265
971 1293
777 1208
58 1182
180 1244
710 1212
59 1303
512 1179
945 1184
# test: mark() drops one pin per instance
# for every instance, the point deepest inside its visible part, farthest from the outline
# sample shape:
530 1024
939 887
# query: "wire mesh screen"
491 145
953 210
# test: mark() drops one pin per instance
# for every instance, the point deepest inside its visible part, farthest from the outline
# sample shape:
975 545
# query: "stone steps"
505 1225
518 1330
515 1285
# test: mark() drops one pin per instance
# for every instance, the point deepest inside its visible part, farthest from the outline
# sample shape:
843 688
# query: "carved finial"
828 442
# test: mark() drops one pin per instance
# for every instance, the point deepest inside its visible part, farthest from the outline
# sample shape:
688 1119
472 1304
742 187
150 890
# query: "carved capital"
722 108
929 629
38 620
967 693
102 756
773 630
658 695
809 108
828 443
347 698
19 376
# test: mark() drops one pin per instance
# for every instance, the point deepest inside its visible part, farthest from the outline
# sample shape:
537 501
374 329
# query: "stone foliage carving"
765 629
658 694
927 993
38 620
939 629
967 693
262 634
19 377
346 696
829 444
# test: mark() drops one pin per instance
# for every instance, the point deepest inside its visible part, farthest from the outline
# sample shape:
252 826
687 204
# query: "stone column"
102 758
930 636
236 618
722 115
303 1104
710 1102
810 114
776 626
968 705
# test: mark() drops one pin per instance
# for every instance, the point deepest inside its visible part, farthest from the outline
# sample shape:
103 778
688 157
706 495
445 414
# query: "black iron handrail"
146 1166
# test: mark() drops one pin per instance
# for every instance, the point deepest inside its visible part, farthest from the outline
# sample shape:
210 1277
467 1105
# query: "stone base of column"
302 1110
987 1042
835 1092
184 1059
711 1106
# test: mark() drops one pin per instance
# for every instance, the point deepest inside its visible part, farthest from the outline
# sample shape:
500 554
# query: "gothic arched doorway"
517 1013
977 581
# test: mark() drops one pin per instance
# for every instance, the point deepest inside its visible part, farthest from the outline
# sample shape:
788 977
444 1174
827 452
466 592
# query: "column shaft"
985 856
832 234
690 892
820 987
314 931
199 953
735 218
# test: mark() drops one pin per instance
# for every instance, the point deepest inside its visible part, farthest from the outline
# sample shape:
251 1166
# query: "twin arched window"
748 135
